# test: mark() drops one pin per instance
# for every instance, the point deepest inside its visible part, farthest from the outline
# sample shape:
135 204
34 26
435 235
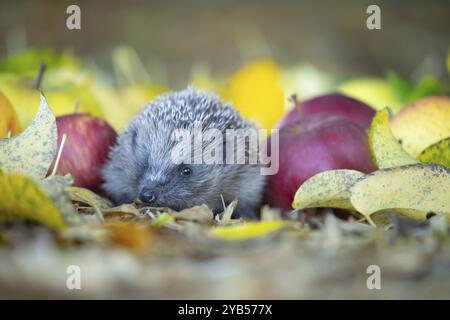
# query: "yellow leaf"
31 152
417 188
256 91
248 230
437 153
22 199
327 189
385 149
163 220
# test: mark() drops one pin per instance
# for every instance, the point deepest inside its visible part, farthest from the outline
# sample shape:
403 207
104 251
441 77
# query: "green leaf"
31 152
385 149
27 62
327 189
437 153
413 189
408 92
428 86
400 85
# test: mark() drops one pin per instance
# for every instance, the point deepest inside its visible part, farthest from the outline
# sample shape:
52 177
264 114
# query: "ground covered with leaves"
148 253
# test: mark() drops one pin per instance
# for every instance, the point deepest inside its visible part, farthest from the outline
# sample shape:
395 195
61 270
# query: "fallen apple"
422 123
314 144
85 150
9 124
336 104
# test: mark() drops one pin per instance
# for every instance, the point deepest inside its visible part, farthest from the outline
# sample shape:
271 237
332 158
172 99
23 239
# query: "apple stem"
77 105
297 104
9 134
58 157
39 76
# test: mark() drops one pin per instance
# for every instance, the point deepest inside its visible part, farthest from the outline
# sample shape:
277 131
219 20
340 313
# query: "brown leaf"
200 214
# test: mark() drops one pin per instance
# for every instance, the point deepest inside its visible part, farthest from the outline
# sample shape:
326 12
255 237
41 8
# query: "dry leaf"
54 187
386 151
225 216
88 197
124 209
200 214
327 189
417 188
31 152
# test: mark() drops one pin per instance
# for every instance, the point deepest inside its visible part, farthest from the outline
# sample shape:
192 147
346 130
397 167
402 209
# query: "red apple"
314 144
336 104
85 150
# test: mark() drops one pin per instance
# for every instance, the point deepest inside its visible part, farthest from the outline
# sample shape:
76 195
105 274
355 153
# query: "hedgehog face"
179 186
156 179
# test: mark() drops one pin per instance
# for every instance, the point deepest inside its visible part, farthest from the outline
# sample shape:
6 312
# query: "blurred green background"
171 37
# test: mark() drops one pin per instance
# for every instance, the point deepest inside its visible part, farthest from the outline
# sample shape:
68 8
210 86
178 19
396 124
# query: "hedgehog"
141 166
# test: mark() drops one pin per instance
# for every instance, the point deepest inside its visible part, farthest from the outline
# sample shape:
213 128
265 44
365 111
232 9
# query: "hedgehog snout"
148 195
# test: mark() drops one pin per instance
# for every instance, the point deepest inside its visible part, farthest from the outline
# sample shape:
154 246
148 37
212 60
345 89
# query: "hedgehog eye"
185 171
